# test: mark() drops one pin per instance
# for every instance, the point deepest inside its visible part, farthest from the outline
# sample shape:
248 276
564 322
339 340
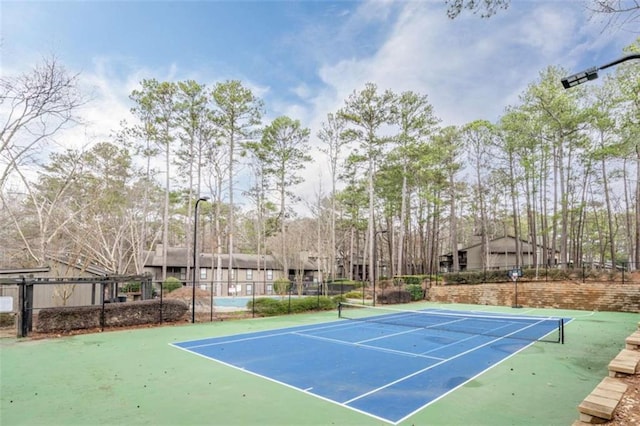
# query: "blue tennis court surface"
381 368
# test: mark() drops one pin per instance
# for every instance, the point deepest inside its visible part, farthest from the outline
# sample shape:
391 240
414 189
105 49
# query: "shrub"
384 284
416 291
171 284
394 296
7 319
281 286
477 277
342 286
412 279
115 315
353 295
338 299
130 288
266 306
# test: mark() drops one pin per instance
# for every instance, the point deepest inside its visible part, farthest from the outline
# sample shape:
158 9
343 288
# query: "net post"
562 331
339 309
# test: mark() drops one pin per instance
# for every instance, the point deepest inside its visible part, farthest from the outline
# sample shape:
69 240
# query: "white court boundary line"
346 324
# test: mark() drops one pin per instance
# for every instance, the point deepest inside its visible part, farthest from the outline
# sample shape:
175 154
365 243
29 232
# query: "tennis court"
138 377
388 364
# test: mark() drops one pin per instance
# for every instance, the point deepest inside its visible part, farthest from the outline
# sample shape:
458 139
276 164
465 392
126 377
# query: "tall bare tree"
34 106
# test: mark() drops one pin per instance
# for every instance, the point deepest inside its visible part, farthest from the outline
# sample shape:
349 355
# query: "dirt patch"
203 298
628 411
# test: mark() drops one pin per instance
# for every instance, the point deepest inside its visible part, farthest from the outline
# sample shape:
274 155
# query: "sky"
303 58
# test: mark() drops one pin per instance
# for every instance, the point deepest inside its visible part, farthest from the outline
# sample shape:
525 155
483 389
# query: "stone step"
626 363
600 404
633 341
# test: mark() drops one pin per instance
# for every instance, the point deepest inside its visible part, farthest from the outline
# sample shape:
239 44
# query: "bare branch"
36 105
621 14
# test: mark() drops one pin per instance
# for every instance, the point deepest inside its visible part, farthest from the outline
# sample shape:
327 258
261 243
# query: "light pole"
592 73
375 266
195 257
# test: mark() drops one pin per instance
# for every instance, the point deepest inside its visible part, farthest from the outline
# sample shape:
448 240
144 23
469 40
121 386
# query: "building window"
270 274
233 274
249 274
269 288
203 273
249 289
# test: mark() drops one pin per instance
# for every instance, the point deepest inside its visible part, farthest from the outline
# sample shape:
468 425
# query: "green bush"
416 291
171 284
338 299
502 275
130 288
411 279
477 277
281 286
345 282
353 294
267 306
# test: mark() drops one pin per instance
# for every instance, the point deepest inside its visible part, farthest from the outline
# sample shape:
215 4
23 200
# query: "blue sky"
304 58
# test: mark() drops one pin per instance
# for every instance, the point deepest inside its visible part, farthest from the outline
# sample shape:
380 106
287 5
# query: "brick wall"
561 295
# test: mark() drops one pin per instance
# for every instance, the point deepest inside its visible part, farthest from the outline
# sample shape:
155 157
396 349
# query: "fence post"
102 285
23 317
211 301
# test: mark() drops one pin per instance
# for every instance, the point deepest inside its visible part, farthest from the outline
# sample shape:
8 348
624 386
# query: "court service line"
375 348
401 379
253 336
413 329
290 386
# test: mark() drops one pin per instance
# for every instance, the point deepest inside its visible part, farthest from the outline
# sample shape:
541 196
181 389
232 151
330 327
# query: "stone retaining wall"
560 295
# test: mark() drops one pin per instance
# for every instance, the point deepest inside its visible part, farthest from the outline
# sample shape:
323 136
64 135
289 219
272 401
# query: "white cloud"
470 68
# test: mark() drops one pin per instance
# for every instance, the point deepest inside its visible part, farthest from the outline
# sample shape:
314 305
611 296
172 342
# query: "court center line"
413 329
375 348
401 379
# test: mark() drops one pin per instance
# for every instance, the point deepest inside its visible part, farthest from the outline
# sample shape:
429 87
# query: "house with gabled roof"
501 254
250 273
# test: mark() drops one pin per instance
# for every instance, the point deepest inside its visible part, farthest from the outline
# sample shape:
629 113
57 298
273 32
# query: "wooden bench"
599 405
625 363
633 342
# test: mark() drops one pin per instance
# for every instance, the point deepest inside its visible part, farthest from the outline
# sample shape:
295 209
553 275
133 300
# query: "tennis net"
531 328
